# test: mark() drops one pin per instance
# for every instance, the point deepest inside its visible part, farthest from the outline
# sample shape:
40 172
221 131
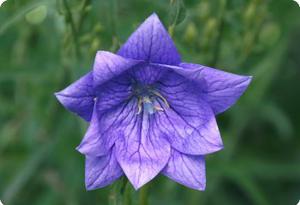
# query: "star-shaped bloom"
149 112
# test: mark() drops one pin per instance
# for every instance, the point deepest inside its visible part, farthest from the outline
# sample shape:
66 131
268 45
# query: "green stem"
218 42
143 197
127 195
70 20
113 16
83 13
113 196
119 194
173 24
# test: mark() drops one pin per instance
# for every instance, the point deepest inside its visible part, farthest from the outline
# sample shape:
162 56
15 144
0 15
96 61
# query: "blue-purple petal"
147 73
79 97
109 65
220 89
188 122
95 142
101 171
187 170
113 93
140 149
152 43
111 109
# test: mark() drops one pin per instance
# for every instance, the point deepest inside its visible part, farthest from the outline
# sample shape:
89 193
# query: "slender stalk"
70 20
83 14
127 195
113 196
113 18
219 38
143 196
119 194
173 24
113 7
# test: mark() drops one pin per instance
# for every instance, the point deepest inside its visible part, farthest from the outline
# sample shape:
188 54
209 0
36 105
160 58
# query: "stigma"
147 105
150 101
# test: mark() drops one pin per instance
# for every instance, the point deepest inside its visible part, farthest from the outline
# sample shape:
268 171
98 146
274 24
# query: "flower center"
148 99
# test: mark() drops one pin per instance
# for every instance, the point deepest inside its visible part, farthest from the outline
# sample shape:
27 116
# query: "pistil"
147 100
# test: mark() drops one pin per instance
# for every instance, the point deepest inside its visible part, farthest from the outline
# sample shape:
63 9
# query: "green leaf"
278 118
177 12
247 184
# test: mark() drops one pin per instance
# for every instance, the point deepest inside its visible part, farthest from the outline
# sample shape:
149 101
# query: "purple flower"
149 112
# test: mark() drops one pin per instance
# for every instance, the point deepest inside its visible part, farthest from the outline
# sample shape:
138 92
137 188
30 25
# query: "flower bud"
269 34
86 38
250 13
95 45
98 28
190 33
36 15
211 27
203 9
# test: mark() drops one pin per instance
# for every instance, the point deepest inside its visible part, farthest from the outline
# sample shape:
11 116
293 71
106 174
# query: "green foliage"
45 45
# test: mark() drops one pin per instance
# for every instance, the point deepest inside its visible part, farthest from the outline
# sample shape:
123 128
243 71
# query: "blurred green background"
47 44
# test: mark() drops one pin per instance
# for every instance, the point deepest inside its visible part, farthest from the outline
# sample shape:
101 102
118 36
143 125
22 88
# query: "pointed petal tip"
102 52
248 81
60 97
82 150
90 187
198 187
137 186
57 94
154 18
213 149
250 78
154 15
78 149
201 187
218 148
245 83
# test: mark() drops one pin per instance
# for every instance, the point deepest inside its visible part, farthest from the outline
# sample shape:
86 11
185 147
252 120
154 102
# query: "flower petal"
113 93
188 122
95 142
109 111
187 170
146 73
220 89
79 97
140 150
101 171
109 65
151 42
